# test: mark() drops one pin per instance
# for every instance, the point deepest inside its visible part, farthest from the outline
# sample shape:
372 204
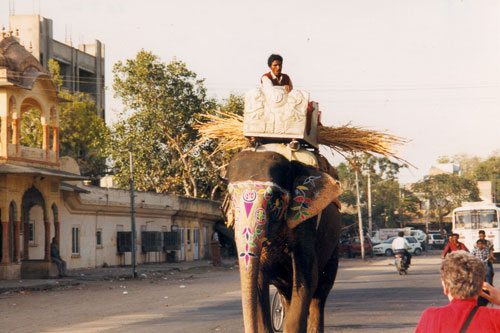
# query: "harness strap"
469 319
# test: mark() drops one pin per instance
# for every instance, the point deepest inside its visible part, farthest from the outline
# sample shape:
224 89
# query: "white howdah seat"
275 117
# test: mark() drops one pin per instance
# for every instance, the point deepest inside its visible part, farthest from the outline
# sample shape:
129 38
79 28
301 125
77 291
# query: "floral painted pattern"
251 202
301 201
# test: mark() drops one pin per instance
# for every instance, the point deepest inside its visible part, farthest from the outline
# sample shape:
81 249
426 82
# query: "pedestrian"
462 277
454 245
56 258
482 252
275 77
489 245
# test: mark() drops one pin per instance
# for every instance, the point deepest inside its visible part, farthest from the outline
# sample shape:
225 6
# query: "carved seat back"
272 114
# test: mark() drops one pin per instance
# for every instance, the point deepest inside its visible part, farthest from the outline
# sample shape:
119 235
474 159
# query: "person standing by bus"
454 245
489 263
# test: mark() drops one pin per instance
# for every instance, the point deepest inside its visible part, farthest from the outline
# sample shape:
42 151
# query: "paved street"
368 296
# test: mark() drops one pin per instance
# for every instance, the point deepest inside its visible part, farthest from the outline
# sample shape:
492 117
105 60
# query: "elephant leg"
316 320
305 278
263 306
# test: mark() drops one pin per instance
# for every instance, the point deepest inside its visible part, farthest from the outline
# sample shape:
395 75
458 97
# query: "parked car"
352 247
436 241
386 246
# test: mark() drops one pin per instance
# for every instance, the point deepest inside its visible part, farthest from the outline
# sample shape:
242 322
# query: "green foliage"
31 133
392 206
477 169
162 103
83 134
446 192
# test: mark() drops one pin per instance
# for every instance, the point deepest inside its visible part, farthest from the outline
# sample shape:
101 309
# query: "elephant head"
270 196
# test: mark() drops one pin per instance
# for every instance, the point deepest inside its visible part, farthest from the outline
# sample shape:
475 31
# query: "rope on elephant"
346 139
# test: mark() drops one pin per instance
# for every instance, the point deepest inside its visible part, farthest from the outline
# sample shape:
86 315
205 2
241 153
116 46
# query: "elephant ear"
312 192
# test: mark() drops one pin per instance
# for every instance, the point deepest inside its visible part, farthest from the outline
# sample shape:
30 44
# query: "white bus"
475 216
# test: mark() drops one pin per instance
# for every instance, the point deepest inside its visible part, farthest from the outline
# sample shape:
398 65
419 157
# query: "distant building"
448 168
82 68
42 195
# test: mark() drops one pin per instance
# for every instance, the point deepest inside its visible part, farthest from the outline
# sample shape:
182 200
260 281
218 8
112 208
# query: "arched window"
31 132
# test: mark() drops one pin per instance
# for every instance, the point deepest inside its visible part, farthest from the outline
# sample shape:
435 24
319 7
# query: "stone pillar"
15 134
57 233
55 142
26 241
45 144
17 241
4 136
5 242
47 240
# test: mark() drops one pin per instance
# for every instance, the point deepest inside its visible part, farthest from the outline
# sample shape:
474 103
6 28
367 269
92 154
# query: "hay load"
230 129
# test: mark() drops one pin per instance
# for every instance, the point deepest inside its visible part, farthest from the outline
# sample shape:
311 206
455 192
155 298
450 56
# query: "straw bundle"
347 139
227 127
354 139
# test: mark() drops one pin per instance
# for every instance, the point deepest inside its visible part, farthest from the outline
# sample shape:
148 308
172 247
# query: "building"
82 68
42 195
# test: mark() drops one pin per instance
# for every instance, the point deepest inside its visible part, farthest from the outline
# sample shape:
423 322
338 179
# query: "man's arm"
445 251
289 87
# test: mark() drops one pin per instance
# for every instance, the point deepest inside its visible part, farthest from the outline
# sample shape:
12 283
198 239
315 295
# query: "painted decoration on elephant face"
301 201
254 199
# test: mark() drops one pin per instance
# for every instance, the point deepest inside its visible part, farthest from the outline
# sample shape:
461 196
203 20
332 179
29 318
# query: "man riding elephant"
275 77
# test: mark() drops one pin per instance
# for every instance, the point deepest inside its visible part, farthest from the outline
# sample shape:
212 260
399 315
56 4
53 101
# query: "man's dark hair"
401 234
274 57
455 235
481 232
482 241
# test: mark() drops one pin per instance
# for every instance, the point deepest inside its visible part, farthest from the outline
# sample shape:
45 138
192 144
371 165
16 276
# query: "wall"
108 210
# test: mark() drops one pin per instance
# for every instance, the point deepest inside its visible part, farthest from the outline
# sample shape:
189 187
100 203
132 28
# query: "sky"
425 70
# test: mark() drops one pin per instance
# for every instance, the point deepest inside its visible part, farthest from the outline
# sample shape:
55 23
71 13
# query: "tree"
477 169
391 205
83 134
446 192
31 133
162 103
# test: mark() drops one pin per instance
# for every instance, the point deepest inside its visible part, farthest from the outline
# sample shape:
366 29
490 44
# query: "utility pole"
361 236
370 228
132 213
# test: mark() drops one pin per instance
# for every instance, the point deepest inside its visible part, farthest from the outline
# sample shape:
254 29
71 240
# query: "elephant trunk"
249 297
252 203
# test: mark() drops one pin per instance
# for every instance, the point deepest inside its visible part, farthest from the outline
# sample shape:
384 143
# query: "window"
31 233
98 238
75 241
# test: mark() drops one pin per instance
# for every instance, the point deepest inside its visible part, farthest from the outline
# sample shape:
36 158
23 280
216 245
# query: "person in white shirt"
400 244
275 77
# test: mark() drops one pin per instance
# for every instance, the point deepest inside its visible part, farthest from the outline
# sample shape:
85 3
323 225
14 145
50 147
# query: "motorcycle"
401 263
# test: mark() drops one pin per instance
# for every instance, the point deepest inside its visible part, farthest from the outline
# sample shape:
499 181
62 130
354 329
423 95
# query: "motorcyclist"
400 245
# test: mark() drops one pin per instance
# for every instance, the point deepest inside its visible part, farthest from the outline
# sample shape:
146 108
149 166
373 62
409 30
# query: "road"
367 297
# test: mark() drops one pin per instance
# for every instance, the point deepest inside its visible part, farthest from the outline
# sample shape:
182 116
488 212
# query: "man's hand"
494 293
287 89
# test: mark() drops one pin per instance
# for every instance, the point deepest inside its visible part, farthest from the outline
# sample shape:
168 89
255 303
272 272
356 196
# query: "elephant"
287 225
